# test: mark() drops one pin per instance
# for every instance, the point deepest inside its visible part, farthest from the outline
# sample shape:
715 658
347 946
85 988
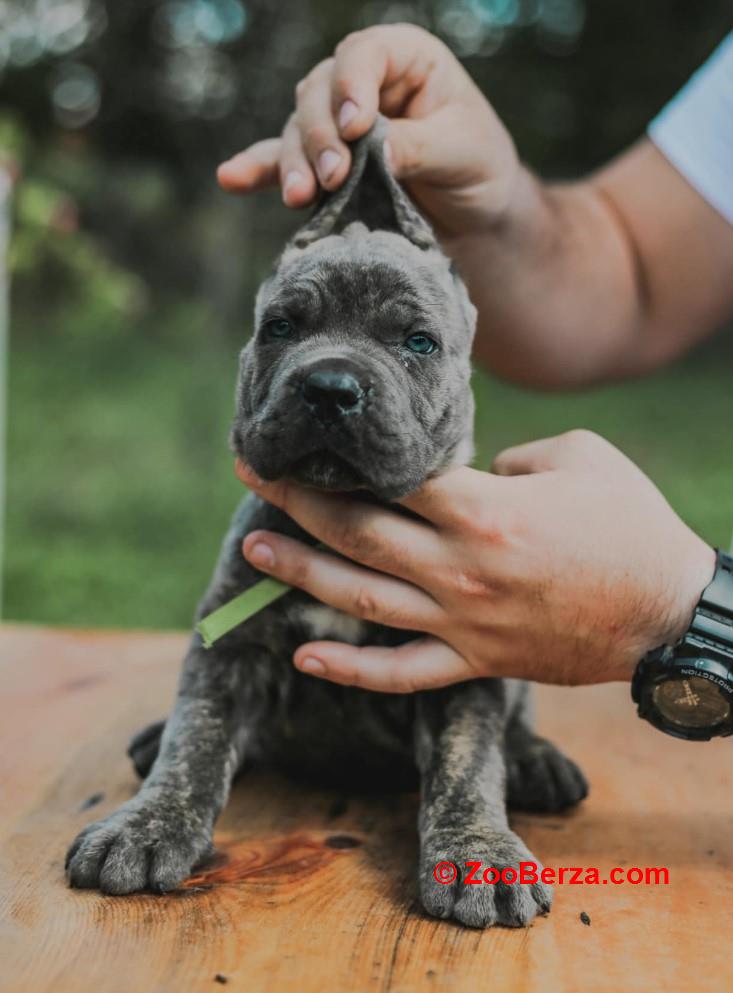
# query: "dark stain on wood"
270 860
343 841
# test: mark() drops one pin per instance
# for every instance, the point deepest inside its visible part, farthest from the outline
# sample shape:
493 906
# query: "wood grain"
314 891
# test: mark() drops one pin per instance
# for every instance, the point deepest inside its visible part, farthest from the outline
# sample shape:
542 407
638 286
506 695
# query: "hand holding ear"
565 565
445 142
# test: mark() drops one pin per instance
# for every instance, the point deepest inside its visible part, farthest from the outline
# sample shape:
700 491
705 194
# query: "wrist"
673 606
695 574
505 221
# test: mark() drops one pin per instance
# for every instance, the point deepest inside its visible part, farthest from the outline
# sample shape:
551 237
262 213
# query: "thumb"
571 450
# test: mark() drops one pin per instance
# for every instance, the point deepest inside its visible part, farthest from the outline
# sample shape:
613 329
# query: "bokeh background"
133 276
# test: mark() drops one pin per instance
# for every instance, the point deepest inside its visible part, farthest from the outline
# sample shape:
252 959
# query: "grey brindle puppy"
357 378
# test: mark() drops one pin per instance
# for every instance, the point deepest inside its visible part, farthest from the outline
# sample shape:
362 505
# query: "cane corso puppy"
357 378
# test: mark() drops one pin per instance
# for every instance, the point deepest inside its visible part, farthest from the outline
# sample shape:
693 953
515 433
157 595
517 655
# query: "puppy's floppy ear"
371 195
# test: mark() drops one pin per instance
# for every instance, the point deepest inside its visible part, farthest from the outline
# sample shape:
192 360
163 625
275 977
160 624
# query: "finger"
324 149
423 664
297 179
393 59
564 451
454 498
253 169
374 536
370 596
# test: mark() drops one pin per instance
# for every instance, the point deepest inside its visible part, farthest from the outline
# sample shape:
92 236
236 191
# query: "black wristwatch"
687 689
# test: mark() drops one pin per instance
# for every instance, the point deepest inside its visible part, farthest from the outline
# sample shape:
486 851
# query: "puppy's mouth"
327 471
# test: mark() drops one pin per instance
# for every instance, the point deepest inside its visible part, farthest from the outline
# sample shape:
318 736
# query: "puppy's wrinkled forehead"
360 276
368 248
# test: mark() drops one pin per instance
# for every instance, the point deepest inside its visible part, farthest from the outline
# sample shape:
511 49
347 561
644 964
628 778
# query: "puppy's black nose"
330 393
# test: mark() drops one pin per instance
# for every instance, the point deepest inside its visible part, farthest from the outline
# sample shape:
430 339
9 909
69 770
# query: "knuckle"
490 530
583 439
365 604
348 41
312 78
297 569
472 519
343 82
357 540
317 135
472 585
346 541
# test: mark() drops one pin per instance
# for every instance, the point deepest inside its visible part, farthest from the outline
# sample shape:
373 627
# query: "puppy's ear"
371 195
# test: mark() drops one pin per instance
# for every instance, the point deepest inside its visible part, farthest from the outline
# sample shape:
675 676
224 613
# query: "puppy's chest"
318 622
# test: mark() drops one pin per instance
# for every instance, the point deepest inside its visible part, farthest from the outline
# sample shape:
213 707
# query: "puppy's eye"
421 343
278 327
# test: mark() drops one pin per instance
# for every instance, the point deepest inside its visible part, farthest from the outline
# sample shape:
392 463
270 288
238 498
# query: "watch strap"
712 623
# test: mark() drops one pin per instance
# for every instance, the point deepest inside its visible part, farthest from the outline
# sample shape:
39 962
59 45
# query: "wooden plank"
314 891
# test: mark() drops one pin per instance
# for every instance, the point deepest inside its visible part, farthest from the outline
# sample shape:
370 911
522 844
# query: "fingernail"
327 164
262 555
314 666
388 155
348 112
291 179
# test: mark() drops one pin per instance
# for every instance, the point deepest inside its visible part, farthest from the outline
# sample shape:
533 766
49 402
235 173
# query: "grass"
120 483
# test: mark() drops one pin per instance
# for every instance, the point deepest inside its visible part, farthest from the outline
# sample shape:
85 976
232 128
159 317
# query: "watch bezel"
663 665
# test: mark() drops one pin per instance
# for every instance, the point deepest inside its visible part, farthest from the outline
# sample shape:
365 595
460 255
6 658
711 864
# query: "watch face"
692 702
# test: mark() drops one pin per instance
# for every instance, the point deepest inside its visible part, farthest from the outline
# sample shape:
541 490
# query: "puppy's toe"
125 868
86 857
170 864
517 905
476 907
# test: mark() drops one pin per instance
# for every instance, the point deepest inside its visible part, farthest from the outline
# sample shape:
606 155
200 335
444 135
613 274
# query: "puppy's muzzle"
333 391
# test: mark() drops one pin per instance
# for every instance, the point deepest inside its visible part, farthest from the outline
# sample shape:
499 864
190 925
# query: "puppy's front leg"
154 839
459 739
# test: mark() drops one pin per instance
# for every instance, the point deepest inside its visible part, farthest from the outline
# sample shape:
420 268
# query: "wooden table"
313 891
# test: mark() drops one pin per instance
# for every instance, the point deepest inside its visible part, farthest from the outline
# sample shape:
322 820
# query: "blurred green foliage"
121 482
133 276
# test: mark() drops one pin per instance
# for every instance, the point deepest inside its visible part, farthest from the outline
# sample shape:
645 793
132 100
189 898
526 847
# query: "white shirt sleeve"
695 130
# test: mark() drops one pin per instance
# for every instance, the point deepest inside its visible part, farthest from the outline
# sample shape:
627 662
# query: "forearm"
598 280
556 285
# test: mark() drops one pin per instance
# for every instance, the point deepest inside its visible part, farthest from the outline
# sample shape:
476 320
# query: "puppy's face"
357 376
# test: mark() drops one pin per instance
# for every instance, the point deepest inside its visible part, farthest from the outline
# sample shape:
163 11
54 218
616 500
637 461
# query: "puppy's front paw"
479 903
148 843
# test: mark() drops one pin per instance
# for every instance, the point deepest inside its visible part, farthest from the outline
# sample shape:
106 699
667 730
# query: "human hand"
564 566
445 142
